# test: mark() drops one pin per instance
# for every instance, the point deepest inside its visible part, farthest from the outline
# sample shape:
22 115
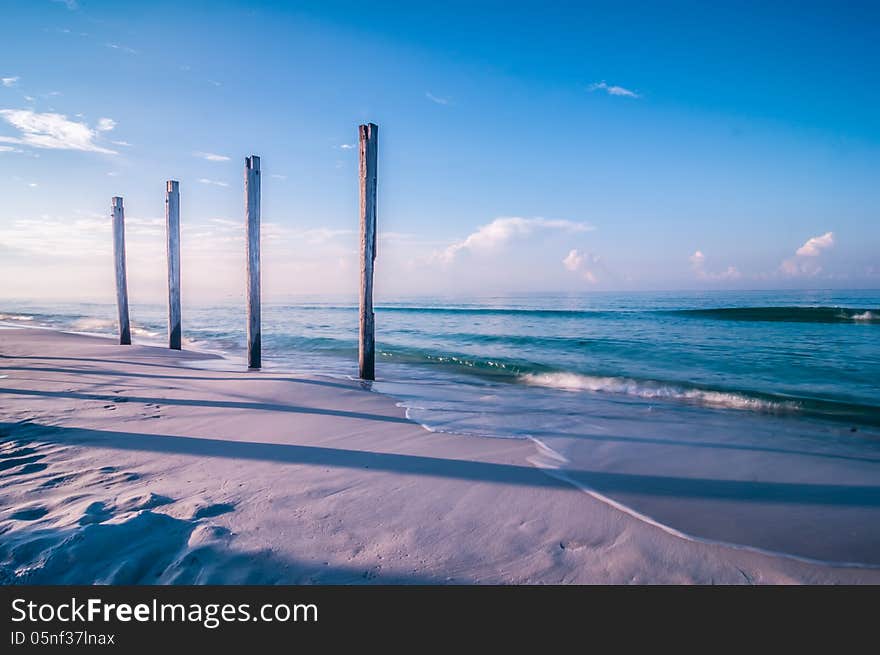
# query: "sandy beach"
130 465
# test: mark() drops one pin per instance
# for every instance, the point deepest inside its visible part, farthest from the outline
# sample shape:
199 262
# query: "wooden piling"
172 231
121 280
252 219
368 139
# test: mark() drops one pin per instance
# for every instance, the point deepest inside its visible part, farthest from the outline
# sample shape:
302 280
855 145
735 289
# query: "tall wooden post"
172 231
121 280
252 218
368 139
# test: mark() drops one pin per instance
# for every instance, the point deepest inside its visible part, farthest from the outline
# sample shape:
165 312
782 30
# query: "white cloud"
347 146
698 263
573 261
105 124
122 48
436 99
125 144
205 180
321 235
52 131
582 263
9 81
210 156
501 230
613 90
815 245
805 263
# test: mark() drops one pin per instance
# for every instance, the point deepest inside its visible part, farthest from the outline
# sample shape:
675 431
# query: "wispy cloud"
278 177
70 4
205 180
502 230
613 90
698 263
210 156
317 236
9 81
121 143
121 48
436 99
52 131
105 124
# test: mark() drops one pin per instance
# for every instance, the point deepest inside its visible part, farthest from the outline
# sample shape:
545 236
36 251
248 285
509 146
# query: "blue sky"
535 147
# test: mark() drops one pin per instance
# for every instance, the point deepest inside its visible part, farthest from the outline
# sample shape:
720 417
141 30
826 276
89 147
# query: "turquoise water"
813 354
748 418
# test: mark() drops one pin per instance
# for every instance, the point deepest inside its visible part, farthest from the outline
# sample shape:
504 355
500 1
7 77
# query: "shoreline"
518 524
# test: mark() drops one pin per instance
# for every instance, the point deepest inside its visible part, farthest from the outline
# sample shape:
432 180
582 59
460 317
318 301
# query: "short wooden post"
121 280
369 135
252 219
172 231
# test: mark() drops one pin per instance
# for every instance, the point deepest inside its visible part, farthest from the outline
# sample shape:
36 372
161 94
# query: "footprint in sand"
31 468
30 513
213 510
96 512
11 462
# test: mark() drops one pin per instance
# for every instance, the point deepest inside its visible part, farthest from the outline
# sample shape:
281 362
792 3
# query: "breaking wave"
651 390
786 314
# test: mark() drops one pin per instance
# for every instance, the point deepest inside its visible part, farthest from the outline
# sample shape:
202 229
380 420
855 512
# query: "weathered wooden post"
121 280
369 135
252 218
172 231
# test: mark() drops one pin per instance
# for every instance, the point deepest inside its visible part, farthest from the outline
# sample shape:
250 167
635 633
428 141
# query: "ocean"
599 378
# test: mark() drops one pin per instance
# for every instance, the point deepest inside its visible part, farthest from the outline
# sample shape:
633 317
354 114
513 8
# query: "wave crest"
645 389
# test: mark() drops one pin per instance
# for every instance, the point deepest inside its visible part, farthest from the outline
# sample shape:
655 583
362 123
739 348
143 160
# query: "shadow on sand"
653 485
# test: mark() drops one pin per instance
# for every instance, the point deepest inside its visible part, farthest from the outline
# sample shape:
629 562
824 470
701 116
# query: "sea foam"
650 390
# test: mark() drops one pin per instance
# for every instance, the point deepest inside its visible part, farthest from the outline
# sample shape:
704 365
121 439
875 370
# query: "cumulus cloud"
815 245
210 156
698 263
105 124
805 261
502 230
613 90
582 263
52 131
8 81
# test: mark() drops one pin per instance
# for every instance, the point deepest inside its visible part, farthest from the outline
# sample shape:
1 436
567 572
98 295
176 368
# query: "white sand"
123 465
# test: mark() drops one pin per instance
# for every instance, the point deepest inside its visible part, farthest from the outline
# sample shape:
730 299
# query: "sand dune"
129 465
